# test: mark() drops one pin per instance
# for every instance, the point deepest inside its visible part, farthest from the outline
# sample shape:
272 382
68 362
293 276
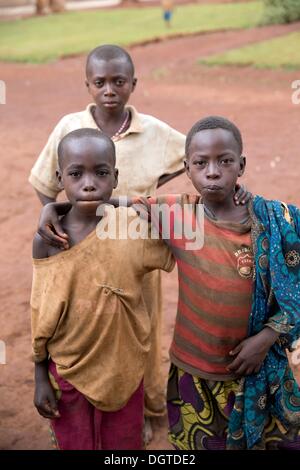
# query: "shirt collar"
136 125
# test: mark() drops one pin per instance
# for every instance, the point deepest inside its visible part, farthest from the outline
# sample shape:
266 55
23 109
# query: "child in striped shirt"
230 385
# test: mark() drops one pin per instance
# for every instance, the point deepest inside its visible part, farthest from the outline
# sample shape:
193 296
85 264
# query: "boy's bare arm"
52 233
168 177
43 198
122 201
140 207
44 395
49 227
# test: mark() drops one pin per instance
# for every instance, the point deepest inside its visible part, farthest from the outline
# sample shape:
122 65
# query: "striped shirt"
215 286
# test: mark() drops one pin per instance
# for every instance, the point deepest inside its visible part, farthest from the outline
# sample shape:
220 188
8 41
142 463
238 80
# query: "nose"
89 188
109 91
213 170
88 184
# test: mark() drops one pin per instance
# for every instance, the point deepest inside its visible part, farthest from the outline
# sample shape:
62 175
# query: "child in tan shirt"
90 327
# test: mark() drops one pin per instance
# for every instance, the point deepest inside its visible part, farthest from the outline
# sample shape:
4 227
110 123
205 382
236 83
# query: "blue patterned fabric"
276 301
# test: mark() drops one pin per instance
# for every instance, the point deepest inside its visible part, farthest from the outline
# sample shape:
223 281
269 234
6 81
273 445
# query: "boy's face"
214 164
88 174
110 83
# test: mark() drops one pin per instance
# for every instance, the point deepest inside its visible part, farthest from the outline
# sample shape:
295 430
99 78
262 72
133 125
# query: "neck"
80 221
109 117
221 209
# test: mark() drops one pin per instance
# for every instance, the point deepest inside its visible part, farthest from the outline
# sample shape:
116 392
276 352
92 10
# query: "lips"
89 200
213 187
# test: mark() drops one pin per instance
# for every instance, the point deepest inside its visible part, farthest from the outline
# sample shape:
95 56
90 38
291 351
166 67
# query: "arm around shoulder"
43 198
157 255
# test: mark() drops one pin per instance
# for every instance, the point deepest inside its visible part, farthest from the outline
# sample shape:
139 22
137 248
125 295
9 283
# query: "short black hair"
84 133
108 52
214 122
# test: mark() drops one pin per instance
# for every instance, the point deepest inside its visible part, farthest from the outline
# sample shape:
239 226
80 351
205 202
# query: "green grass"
282 52
42 39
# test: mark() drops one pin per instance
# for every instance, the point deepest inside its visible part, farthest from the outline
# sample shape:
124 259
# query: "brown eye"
226 161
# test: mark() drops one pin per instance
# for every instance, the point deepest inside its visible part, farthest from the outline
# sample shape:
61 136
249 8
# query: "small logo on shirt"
245 262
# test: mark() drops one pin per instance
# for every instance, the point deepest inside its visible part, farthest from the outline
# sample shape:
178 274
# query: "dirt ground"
173 88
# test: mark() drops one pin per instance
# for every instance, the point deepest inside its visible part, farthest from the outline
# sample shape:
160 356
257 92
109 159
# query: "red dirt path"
172 87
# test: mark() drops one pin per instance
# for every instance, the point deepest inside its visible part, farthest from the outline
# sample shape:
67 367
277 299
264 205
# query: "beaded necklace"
123 126
121 129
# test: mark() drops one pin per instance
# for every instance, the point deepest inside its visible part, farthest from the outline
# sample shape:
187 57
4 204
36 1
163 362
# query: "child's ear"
134 82
87 84
116 178
242 165
59 179
187 167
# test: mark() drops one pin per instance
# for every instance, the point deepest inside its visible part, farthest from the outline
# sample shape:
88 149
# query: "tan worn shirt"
89 315
146 151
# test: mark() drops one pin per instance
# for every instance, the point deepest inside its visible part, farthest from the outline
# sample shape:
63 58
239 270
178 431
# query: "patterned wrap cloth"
273 390
199 411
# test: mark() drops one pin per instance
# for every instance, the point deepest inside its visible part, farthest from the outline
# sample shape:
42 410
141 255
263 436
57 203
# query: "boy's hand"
242 195
49 225
251 352
44 400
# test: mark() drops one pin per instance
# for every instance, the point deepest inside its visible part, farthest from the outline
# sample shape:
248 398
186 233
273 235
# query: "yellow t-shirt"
146 151
88 312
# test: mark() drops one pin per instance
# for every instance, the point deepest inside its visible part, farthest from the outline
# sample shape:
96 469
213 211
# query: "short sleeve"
43 173
174 152
157 255
45 312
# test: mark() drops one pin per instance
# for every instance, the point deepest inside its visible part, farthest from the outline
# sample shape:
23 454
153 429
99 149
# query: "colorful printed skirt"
199 409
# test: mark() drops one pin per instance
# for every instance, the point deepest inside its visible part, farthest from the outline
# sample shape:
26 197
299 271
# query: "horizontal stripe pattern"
215 290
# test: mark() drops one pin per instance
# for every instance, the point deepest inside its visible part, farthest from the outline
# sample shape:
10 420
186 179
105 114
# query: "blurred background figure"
168 7
49 6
